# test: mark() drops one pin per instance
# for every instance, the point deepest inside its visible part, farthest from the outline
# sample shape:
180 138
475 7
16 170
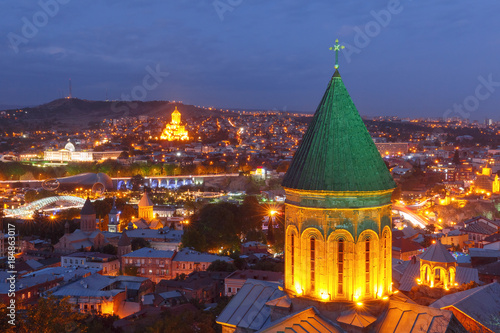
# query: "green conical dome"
337 152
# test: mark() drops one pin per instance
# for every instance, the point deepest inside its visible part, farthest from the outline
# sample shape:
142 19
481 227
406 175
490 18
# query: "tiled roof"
405 245
337 152
480 228
481 304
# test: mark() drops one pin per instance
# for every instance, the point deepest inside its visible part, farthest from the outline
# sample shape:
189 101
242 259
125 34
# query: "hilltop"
77 112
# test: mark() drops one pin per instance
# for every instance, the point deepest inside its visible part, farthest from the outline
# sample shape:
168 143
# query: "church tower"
145 208
113 218
87 217
338 207
176 117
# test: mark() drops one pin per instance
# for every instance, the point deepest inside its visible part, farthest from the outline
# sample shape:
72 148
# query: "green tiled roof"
337 152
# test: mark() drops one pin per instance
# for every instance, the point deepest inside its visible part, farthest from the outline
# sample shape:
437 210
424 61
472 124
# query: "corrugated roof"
437 253
355 318
481 303
337 152
247 309
411 318
308 320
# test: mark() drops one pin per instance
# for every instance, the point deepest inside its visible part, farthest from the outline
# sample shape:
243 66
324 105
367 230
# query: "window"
367 265
386 236
292 256
313 257
340 263
229 289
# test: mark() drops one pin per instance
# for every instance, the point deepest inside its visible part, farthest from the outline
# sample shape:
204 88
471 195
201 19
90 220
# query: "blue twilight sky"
413 58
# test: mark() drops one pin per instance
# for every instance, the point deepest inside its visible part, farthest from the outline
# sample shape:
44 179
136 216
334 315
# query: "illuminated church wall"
338 253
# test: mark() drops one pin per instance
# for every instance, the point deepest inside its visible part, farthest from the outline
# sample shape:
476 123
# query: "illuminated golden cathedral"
174 131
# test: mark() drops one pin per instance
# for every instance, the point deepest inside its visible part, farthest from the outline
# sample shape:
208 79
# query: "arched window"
340 267
292 256
385 249
313 256
367 266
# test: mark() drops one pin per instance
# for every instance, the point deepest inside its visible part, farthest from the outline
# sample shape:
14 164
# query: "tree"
127 213
139 243
430 228
30 196
109 249
137 182
251 214
52 315
221 266
131 270
216 225
186 322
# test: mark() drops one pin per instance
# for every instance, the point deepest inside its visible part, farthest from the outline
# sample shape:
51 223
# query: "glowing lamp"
325 296
298 289
359 303
385 298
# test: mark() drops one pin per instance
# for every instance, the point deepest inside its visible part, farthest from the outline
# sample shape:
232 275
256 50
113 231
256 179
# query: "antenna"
70 94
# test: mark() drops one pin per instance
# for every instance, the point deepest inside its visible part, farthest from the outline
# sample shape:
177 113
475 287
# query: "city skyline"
401 58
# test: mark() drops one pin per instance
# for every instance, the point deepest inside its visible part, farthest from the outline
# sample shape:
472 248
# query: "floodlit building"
338 254
174 131
70 154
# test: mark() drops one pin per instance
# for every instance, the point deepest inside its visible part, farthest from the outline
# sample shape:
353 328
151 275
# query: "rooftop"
147 252
187 254
437 253
337 152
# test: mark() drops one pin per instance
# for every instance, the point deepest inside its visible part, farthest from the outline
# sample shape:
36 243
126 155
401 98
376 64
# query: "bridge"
122 183
168 182
45 204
